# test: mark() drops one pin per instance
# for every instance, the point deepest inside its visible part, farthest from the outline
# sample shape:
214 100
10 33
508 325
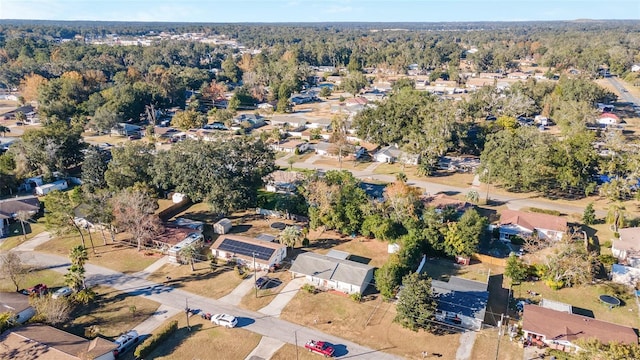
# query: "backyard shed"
223 226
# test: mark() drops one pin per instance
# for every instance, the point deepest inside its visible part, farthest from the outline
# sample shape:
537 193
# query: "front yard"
16 238
50 278
203 281
369 323
265 295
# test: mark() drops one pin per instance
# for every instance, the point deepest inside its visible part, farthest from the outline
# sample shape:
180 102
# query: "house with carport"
333 271
524 224
560 330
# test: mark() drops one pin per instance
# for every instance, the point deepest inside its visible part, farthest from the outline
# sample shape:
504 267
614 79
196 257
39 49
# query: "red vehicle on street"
319 347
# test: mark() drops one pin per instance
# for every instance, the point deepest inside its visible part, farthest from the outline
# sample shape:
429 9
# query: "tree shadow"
326 243
240 228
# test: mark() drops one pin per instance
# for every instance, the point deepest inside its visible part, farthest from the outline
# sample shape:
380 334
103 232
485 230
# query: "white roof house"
329 272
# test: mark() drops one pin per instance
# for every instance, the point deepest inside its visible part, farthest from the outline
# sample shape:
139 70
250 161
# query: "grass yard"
111 313
51 278
486 346
110 139
289 351
16 238
266 295
370 251
369 323
116 256
442 269
586 298
346 164
205 341
202 281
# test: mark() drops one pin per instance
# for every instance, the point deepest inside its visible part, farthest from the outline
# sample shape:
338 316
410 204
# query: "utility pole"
499 334
295 334
186 311
255 275
486 200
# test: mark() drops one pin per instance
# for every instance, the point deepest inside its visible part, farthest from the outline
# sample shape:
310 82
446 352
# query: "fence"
486 259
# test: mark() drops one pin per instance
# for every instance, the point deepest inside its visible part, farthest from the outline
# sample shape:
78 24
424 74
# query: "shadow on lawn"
174 341
327 243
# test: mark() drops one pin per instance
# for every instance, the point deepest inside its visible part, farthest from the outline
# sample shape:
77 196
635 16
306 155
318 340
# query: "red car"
319 347
39 289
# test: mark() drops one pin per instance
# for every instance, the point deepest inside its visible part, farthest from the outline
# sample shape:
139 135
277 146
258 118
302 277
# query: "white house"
47 188
249 251
283 181
17 304
291 146
222 227
524 224
335 273
608 119
37 341
194 239
392 154
627 247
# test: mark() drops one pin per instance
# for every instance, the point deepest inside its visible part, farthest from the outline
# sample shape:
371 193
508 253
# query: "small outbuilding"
222 227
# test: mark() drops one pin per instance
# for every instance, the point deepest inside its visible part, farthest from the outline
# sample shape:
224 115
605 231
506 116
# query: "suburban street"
512 201
174 299
625 96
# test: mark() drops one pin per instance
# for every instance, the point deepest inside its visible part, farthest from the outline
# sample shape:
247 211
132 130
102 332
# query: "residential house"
5 143
392 154
560 330
299 99
249 251
283 181
322 148
9 208
47 188
289 120
461 302
374 95
496 75
195 239
43 342
627 247
255 121
335 272
518 75
291 146
626 275
635 67
124 129
18 304
525 224
608 119
223 226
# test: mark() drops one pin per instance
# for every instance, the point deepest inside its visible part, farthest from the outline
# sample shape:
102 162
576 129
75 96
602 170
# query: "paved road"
625 96
513 201
175 298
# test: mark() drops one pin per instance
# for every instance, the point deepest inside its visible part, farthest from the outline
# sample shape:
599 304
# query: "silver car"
62 292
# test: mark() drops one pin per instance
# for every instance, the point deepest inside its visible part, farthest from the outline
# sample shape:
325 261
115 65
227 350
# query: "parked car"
39 289
262 282
62 292
135 137
125 342
319 347
226 320
19 123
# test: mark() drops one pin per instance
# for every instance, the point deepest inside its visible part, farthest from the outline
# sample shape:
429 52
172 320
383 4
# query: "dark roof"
13 302
9 207
375 191
461 296
558 325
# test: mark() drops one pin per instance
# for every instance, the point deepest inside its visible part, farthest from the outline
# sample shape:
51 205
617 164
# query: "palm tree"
4 130
401 177
78 255
290 236
473 196
75 278
615 215
189 253
23 216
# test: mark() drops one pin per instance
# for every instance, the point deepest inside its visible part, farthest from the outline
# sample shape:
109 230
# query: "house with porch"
524 224
559 330
333 271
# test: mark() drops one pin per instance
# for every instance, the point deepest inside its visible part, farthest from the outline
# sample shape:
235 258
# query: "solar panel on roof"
239 247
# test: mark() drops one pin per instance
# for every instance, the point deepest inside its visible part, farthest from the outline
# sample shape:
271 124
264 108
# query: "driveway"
281 300
259 323
234 297
33 243
265 349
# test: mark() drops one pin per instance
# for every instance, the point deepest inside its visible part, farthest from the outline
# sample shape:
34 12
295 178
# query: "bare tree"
54 311
134 212
12 268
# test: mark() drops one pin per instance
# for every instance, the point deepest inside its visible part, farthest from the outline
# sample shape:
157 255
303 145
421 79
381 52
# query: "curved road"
253 321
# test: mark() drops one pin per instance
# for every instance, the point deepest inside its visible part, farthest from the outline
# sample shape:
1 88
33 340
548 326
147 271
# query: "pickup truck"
319 347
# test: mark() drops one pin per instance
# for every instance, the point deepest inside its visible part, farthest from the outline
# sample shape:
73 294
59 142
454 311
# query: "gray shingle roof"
328 268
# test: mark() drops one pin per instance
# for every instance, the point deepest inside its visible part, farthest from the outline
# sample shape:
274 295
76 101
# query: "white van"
125 342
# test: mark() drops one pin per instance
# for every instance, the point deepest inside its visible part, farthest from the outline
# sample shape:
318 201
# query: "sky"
238 11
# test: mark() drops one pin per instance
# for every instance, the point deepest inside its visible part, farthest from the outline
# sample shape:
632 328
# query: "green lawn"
16 237
50 278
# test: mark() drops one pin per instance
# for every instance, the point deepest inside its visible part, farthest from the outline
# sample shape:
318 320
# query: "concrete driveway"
281 300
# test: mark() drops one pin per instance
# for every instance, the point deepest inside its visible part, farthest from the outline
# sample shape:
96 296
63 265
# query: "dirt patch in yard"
486 347
368 251
369 323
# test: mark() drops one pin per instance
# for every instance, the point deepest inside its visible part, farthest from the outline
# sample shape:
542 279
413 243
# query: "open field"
369 323
289 351
117 256
112 313
346 164
205 341
203 281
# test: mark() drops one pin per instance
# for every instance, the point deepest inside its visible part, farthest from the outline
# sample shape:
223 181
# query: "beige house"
247 250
